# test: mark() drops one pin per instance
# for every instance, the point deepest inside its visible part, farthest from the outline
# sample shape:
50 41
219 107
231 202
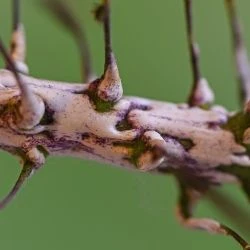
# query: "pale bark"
77 129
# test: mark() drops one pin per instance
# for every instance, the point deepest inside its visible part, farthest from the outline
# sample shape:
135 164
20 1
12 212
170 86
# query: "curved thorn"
240 52
31 108
236 236
187 200
25 173
63 13
110 86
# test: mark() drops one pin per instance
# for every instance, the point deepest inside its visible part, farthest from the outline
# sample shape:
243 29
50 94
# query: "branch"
201 145
202 148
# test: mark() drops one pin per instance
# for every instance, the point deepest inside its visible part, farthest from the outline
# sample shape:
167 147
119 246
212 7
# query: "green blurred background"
76 204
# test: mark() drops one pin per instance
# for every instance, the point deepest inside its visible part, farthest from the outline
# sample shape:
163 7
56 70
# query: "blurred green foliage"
78 204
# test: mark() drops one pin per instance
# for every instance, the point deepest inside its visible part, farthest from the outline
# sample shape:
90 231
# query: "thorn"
25 173
201 94
32 107
236 236
65 16
18 42
240 52
34 160
110 86
187 201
